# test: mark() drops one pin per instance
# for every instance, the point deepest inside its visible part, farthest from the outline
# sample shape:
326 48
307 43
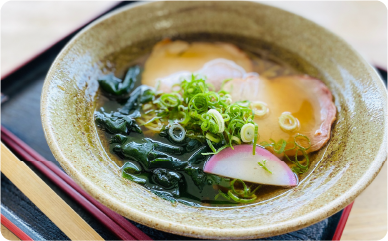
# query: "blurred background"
27 28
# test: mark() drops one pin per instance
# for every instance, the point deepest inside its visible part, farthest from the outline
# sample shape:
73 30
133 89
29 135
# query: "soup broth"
189 190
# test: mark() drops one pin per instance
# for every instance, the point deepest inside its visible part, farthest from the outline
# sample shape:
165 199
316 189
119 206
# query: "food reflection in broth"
159 142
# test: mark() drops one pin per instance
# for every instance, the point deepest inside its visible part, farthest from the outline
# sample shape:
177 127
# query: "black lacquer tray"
21 115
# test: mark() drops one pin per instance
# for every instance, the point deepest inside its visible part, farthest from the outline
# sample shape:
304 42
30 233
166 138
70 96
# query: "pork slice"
215 72
308 99
170 57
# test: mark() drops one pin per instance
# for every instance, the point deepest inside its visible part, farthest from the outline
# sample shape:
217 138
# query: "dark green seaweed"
116 124
171 170
116 87
140 95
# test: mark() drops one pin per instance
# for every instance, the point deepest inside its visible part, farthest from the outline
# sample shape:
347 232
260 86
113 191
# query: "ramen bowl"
339 172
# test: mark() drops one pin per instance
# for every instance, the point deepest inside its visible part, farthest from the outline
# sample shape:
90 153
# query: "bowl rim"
203 232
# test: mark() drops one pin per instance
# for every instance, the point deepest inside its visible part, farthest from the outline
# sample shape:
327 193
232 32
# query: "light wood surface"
28 27
363 24
53 206
8 234
368 218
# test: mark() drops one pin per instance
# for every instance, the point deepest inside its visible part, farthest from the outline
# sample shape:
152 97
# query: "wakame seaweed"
170 169
140 95
116 87
116 124
158 165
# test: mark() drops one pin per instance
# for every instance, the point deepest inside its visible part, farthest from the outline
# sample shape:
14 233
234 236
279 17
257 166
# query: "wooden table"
362 24
8 234
29 27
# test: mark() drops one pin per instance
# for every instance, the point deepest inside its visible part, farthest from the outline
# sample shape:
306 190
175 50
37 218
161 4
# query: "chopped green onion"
240 196
241 200
170 100
210 145
218 118
211 137
256 137
253 191
280 148
216 152
220 193
236 140
259 108
240 192
204 113
248 132
288 122
262 164
300 146
179 137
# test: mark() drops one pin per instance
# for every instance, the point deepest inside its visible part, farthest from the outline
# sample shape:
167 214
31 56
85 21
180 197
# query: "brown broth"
265 66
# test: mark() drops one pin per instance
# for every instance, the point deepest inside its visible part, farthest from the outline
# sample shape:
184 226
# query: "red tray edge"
342 222
14 229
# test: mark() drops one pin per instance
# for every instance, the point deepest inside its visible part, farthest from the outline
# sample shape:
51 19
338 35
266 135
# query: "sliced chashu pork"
307 98
176 59
215 72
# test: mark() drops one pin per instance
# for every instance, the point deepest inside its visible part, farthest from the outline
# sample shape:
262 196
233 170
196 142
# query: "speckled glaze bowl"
340 171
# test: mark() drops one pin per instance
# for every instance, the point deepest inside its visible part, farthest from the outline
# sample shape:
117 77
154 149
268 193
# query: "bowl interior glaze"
340 170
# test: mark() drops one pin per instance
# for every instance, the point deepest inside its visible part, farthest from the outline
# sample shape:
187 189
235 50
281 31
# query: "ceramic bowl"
340 171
